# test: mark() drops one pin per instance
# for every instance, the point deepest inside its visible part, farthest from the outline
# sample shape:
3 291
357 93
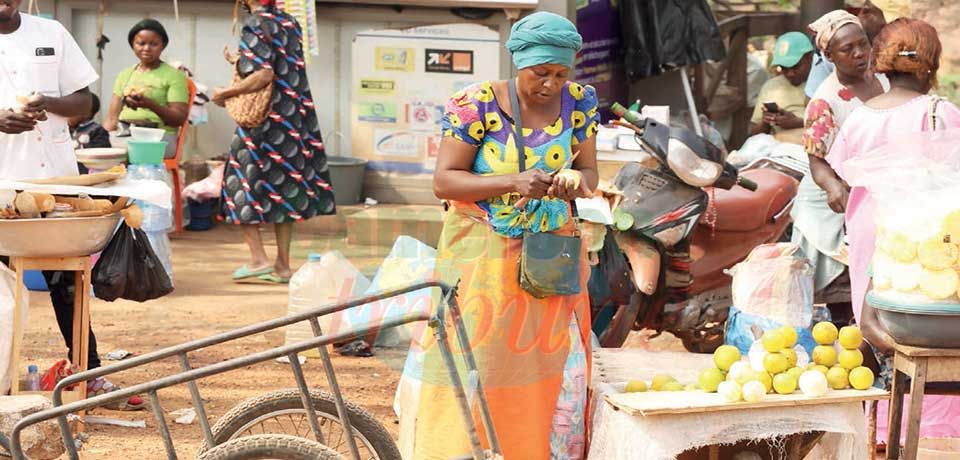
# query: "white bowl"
146 134
101 158
56 237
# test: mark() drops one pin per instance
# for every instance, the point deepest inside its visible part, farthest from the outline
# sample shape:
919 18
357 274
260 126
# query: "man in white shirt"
39 59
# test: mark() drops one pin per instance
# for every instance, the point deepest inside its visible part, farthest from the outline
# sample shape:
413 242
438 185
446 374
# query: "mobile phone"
771 107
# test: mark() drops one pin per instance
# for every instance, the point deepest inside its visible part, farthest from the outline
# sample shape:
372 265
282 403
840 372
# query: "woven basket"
251 109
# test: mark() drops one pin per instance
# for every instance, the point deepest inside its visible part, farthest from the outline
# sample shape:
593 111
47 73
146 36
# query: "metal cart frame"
437 321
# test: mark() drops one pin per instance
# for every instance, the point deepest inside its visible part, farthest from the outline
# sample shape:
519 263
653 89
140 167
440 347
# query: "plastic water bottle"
33 378
160 243
157 221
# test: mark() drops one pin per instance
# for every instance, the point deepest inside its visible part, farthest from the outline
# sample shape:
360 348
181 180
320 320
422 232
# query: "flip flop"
244 272
274 278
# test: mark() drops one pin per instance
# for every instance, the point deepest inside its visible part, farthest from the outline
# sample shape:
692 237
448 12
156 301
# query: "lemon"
850 359
813 384
660 380
825 355
791 356
785 383
729 391
821 369
753 391
725 356
838 378
636 386
765 379
825 333
622 220
851 337
796 372
861 378
672 386
773 341
775 363
691 387
709 379
789 335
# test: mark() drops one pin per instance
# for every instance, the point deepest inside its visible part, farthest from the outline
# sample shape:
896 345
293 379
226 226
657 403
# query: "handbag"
251 109
549 263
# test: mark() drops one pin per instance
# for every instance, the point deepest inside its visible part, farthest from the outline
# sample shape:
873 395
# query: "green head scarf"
543 38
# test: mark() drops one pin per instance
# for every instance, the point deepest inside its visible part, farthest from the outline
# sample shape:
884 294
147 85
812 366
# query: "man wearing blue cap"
782 99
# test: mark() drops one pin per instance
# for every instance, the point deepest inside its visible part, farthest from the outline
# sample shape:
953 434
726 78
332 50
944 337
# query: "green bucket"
146 152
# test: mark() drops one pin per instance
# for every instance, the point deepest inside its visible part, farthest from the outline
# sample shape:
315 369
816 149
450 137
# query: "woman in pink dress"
908 52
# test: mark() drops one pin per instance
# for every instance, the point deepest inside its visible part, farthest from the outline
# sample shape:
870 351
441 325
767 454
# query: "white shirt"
40 56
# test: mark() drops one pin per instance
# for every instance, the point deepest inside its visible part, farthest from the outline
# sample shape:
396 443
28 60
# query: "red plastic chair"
173 164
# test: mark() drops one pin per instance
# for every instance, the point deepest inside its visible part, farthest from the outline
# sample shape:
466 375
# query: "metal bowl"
928 326
56 237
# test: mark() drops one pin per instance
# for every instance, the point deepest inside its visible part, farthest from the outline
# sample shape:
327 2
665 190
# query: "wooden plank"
943 369
687 402
926 352
55 263
916 410
895 414
872 429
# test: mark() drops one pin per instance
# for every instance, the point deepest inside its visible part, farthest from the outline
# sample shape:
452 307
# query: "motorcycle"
678 226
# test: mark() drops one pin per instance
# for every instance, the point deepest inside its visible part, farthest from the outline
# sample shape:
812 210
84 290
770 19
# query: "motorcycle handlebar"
747 183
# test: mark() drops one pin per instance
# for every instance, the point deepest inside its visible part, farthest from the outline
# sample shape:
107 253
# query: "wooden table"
923 366
80 266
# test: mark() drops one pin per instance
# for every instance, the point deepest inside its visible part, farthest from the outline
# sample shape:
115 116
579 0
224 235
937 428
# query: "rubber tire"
706 343
323 402
270 446
622 323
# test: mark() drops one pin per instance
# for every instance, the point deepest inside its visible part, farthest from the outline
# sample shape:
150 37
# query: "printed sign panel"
449 61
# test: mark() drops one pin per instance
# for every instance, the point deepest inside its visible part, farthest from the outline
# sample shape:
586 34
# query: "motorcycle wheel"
624 319
702 340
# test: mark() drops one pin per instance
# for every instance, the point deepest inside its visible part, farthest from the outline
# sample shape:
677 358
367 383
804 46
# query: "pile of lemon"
910 262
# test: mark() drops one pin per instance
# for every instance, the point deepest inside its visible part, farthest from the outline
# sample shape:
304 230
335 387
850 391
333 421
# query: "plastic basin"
140 133
56 237
939 449
928 326
146 152
347 174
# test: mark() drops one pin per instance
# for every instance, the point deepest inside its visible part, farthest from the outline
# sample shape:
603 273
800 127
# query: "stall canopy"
661 35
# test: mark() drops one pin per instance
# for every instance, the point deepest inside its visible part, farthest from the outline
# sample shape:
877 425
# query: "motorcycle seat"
740 210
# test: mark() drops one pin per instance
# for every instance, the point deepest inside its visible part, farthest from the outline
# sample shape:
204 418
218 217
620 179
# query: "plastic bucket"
939 449
146 152
347 173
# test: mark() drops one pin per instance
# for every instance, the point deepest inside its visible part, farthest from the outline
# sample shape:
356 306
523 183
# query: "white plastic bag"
775 282
8 282
914 185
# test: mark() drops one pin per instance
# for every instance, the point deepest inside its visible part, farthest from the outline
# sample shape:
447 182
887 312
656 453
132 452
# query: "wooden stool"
81 313
922 365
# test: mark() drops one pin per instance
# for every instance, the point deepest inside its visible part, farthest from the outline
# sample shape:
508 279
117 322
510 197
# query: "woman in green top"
151 93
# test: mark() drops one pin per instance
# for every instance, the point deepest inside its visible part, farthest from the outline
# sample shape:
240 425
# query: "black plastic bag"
662 35
129 269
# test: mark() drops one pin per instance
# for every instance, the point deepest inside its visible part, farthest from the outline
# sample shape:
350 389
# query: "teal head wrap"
544 38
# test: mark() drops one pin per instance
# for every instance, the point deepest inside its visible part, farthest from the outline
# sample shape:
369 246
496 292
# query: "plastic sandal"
244 272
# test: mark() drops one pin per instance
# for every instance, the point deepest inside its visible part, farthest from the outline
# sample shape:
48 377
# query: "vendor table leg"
895 414
916 409
714 452
794 445
17 327
872 429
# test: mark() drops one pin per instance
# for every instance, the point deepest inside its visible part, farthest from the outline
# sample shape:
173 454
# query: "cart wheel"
282 412
271 446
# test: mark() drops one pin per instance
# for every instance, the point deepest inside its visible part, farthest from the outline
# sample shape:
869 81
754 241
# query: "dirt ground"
206 302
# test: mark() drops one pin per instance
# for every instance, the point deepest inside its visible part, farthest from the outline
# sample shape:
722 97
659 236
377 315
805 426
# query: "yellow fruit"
821 369
789 335
813 384
636 386
905 277
796 372
850 359
825 355
691 387
937 255
939 284
785 383
709 379
729 391
901 247
775 363
725 356
753 391
951 227
825 333
765 379
850 337
861 378
672 386
837 378
660 380
773 341
791 356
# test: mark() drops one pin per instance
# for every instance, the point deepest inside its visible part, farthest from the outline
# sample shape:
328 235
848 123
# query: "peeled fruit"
729 391
753 391
660 380
672 386
709 379
825 333
861 378
939 284
937 255
764 378
906 277
785 383
825 355
740 372
813 384
837 378
791 356
775 363
725 356
882 270
773 341
951 227
901 247
636 386
850 337
789 336
850 359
